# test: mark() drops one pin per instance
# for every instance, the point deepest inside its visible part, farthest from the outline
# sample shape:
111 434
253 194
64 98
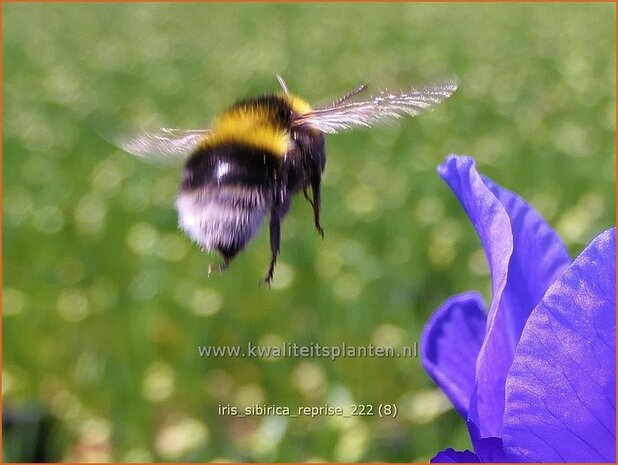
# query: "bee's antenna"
282 83
350 94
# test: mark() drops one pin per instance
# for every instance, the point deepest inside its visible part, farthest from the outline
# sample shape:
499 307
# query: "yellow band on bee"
256 125
297 104
248 126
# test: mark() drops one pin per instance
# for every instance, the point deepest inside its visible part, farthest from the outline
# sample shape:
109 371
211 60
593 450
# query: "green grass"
105 301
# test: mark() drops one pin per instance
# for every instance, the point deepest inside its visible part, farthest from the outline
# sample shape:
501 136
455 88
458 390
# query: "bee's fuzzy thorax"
297 104
262 123
248 126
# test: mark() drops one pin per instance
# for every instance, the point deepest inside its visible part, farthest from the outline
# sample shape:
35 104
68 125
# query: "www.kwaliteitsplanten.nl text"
313 350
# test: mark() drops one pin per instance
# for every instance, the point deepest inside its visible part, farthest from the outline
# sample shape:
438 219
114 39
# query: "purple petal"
524 256
487 449
561 389
450 344
455 456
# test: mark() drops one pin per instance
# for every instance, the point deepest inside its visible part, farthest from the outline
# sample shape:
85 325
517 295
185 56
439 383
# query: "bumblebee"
259 153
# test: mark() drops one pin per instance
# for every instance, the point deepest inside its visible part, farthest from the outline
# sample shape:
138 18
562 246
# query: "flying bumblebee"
259 153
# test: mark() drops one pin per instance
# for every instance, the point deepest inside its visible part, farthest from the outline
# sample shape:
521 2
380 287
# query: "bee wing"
381 108
164 145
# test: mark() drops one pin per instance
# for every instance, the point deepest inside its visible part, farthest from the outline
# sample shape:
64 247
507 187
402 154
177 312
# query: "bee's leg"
315 203
306 194
278 211
220 267
228 253
275 243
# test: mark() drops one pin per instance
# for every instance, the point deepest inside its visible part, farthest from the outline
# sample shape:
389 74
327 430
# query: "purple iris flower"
534 374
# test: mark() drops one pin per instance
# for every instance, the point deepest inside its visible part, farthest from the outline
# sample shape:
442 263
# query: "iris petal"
450 344
455 456
561 389
487 449
525 256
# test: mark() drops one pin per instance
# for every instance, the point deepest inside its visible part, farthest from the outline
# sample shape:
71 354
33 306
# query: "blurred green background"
105 301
